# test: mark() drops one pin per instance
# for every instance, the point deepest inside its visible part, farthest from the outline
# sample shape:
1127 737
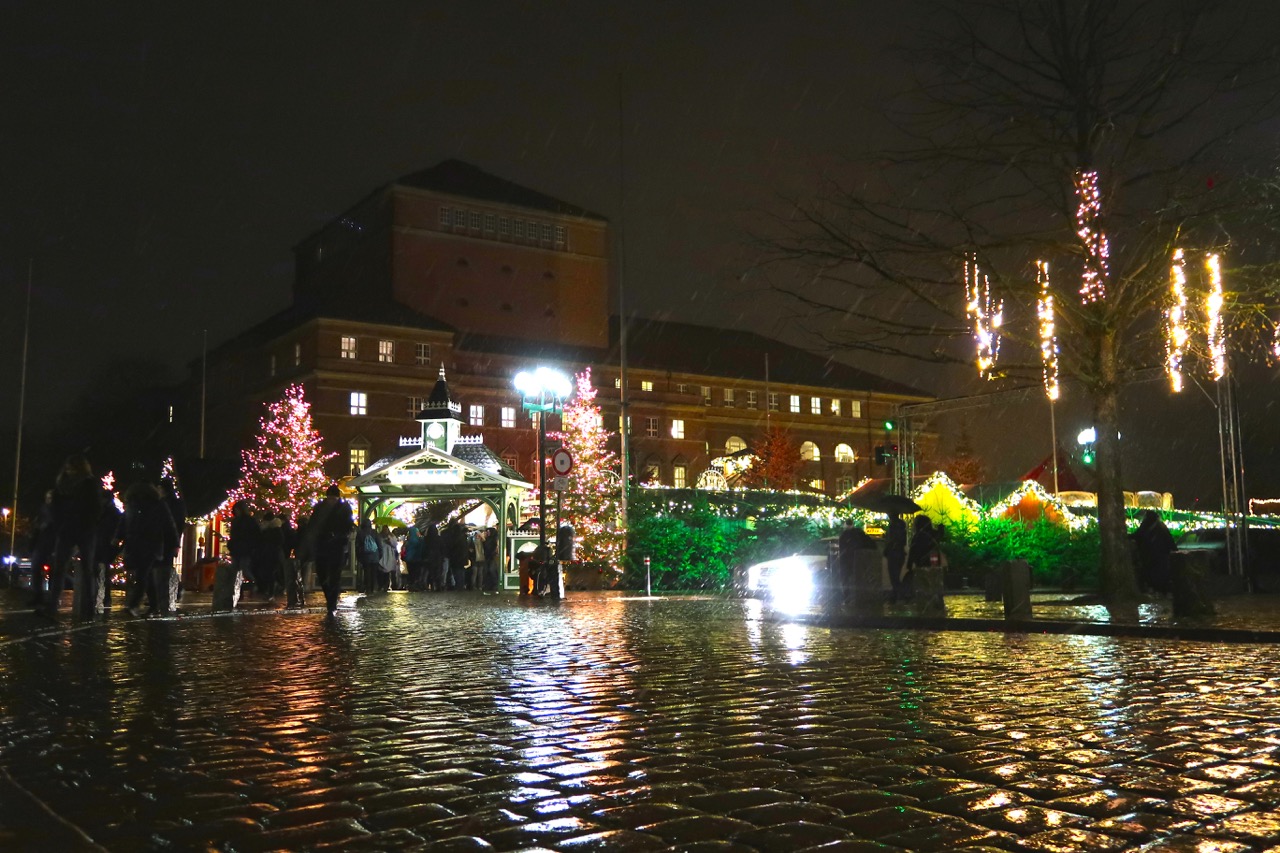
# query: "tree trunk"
1116 576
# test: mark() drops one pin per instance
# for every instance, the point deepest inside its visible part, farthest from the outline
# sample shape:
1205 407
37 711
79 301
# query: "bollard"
648 586
226 588
1017 590
1190 570
928 586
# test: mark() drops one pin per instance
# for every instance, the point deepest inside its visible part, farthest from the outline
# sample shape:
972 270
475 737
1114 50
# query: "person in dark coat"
43 540
149 535
433 552
78 498
268 557
491 561
368 556
107 551
455 551
923 544
243 542
178 512
852 539
415 558
895 552
1155 544
328 533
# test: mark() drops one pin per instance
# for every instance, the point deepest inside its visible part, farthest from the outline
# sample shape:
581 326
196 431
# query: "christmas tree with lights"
592 501
284 472
778 461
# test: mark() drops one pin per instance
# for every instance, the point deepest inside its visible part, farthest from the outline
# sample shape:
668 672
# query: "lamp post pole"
543 391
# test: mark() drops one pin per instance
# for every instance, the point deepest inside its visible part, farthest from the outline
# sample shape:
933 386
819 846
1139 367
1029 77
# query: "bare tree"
1097 135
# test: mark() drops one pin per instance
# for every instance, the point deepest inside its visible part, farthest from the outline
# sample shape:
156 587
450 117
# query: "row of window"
359 405
651 472
349 348
729 399
493 226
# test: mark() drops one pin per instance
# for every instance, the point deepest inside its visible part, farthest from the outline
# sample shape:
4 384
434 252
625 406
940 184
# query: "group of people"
79 518
452 559
902 555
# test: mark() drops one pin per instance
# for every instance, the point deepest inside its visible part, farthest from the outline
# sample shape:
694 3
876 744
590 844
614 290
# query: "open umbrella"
888 504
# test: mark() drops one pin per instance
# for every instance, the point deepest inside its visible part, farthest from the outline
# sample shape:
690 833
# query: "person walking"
924 544
328 533
895 552
178 512
368 556
106 552
43 540
299 561
455 554
242 541
149 536
388 560
78 499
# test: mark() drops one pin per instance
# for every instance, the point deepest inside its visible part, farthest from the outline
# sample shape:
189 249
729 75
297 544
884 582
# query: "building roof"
463 179
472 450
736 354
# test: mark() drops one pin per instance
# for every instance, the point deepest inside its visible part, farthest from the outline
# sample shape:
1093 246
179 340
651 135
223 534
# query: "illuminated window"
416 404
359 458
706 395
795 403
735 444
359 403
773 401
815 405
348 347
855 408
386 351
843 485
646 385
508 416
809 452
651 473
297 355
170 416
835 407
422 353
677 428
679 476
477 416
509 459
273 364
817 485
728 397
844 453
651 427
560 235
617 382
751 399
682 388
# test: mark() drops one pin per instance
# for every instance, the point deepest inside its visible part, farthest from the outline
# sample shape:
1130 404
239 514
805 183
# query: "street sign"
561 461
560 484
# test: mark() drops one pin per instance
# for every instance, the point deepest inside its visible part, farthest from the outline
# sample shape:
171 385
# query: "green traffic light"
888 426
1087 457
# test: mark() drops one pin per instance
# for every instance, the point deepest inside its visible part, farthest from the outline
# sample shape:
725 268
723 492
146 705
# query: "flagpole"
22 405
623 398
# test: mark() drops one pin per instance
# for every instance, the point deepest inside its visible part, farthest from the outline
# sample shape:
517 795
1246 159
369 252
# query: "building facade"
457 268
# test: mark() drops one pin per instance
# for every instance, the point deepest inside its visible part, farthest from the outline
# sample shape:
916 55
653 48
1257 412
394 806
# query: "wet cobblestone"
616 723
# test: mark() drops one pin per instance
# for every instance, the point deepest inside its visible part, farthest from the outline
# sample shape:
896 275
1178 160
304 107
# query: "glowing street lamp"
543 390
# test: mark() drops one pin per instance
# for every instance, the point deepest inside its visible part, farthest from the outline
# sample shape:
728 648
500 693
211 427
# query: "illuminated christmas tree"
778 461
591 502
285 471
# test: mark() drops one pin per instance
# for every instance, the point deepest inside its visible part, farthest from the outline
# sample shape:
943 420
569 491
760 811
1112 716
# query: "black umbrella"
888 504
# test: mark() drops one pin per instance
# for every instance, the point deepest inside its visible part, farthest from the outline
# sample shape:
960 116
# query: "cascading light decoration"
1217 333
1093 281
1175 321
1048 335
985 317
1275 342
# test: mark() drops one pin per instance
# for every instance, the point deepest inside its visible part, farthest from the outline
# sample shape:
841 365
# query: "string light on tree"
1048 335
1093 280
1213 311
592 501
284 471
1175 316
985 317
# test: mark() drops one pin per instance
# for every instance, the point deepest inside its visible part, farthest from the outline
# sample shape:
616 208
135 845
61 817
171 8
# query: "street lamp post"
544 391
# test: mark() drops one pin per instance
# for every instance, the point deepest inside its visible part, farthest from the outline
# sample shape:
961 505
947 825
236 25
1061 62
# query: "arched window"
844 453
809 452
735 444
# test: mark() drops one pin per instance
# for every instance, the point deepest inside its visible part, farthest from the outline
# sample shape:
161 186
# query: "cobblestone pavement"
457 723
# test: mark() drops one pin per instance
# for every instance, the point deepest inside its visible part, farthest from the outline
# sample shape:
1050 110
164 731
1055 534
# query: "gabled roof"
463 179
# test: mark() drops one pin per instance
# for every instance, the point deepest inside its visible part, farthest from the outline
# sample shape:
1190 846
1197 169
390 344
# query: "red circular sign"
561 461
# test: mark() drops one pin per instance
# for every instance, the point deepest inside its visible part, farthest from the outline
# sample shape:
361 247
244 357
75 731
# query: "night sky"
159 161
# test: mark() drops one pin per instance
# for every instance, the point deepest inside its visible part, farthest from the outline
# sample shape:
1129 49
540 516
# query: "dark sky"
160 160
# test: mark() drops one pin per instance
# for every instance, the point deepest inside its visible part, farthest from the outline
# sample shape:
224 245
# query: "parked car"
794 582
1262 558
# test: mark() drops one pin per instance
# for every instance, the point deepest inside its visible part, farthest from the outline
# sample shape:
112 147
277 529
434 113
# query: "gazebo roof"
472 470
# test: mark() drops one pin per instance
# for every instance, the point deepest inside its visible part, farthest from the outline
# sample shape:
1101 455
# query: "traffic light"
886 453
1087 456
888 426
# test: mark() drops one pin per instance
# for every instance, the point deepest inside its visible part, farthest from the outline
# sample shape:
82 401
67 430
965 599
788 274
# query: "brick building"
453 266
